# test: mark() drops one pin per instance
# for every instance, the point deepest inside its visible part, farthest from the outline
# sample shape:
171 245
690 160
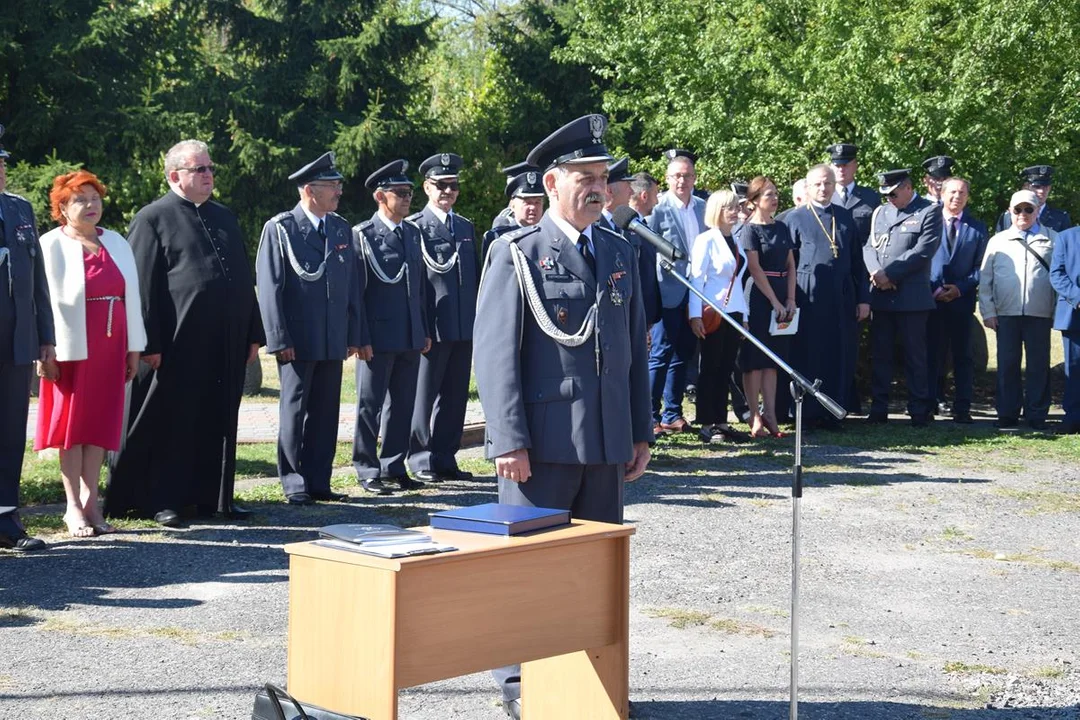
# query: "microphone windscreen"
623 216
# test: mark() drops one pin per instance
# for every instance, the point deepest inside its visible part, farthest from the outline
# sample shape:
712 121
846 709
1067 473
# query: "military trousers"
14 406
385 393
887 326
442 397
308 421
589 492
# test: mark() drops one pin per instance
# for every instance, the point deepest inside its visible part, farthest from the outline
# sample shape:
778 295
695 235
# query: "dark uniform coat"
647 267
319 319
574 406
201 315
861 202
26 323
831 282
442 393
397 318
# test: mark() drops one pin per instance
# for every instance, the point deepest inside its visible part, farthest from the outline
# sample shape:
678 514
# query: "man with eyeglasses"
309 295
202 328
679 216
1039 179
526 203
562 375
1016 299
26 335
390 259
905 234
448 248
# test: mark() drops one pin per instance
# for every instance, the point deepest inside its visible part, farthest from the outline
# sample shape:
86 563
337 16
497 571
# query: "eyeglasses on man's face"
451 185
200 169
401 192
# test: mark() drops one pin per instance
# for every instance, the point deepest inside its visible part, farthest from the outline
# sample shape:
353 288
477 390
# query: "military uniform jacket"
578 405
319 318
396 312
861 202
1056 220
26 320
902 243
451 295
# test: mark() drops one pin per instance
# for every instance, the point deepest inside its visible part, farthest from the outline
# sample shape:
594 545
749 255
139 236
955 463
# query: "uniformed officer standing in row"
938 170
388 252
448 247
309 297
563 375
26 335
1038 179
905 234
526 195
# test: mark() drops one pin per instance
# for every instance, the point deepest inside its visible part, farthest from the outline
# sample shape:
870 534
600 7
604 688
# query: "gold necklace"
832 238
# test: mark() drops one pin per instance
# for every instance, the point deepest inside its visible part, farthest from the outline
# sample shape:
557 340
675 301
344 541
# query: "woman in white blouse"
94 292
717 267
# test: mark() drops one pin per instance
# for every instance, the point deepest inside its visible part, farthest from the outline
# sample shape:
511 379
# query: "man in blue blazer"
954 283
26 335
1065 277
679 217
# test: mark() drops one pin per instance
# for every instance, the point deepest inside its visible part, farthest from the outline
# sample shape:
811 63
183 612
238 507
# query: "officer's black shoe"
21 541
235 512
331 496
513 708
962 417
1006 423
921 421
443 475
1068 428
167 518
407 483
1039 425
377 486
428 476
878 418
299 498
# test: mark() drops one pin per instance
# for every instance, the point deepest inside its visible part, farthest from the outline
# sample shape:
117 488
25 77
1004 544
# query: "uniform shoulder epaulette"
409 221
339 217
462 217
519 233
612 233
412 218
361 227
280 216
16 196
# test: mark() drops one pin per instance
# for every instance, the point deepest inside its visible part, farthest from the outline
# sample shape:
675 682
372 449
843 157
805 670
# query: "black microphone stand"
800 387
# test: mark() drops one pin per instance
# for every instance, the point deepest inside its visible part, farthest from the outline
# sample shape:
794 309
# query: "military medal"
546 263
341 259
561 314
616 296
439 257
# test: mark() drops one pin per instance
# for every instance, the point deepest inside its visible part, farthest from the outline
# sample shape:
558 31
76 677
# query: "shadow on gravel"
762 710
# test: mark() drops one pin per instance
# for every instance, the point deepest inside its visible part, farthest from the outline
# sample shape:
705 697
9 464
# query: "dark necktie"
843 193
322 229
400 236
450 224
583 248
951 236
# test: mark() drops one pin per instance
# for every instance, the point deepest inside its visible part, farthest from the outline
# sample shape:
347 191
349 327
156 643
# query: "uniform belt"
775 273
112 299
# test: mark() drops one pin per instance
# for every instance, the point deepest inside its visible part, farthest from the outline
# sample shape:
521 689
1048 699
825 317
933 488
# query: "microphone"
626 218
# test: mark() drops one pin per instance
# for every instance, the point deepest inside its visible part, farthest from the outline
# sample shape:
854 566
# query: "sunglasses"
453 186
201 169
400 192
1023 210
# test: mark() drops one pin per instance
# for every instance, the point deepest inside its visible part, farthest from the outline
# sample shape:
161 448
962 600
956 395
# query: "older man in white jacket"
1017 300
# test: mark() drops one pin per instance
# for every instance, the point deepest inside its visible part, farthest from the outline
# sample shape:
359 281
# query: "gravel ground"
928 591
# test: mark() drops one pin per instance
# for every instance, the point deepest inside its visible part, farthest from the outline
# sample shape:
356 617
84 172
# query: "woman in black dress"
771 260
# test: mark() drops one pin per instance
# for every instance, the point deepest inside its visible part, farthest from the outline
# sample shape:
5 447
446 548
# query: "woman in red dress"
94 292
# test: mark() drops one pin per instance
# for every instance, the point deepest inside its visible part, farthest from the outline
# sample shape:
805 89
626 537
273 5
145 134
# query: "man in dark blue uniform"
643 198
938 170
309 297
388 252
526 195
1038 179
954 281
448 247
563 377
833 291
905 234
26 335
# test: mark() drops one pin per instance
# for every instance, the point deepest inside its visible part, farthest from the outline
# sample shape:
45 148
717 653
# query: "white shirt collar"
439 213
315 219
387 221
819 206
180 195
571 232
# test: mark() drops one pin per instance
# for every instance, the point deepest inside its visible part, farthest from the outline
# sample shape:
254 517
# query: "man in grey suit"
905 234
309 297
26 335
563 378
679 217
389 256
448 246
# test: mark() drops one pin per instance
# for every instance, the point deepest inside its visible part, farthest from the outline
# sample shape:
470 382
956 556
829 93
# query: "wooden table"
363 627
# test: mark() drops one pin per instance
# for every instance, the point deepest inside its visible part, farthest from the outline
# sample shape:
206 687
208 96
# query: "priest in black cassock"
833 293
203 327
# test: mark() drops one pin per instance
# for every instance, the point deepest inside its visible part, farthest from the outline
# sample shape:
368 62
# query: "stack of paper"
389 541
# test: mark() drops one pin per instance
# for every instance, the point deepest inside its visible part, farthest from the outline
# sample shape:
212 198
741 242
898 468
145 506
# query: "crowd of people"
173 310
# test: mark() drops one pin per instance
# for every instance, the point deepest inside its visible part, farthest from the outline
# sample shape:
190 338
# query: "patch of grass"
713 497
767 610
740 627
1026 558
860 647
680 618
915 655
53 523
959 667
952 533
1050 672
1043 501
182 635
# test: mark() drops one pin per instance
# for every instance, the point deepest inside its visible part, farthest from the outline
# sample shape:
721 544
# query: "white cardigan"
710 270
64 271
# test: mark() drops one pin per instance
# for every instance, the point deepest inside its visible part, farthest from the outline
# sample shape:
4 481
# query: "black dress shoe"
921 421
513 708
964 418
1039 425
235 512
331 496
443 476
300 498
1006 423
376 485
405 482
21 542
428 476
878 418
167 518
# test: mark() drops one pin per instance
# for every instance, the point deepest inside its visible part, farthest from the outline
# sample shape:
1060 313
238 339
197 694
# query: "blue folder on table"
499 519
